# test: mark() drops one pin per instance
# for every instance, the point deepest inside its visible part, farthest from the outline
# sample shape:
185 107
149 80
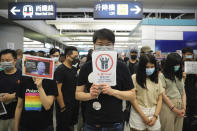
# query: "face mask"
176 68
188 56
150 71
126 59
133 57
75 62
1 69
7 65
56 59
103 48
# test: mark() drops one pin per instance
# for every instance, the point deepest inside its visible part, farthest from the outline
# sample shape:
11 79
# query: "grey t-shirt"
173 89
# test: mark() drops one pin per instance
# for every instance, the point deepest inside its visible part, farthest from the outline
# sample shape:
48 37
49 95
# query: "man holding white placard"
103 83
190 72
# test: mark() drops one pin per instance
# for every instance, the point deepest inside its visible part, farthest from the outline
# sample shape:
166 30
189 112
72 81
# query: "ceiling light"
27 39
47 45
33 46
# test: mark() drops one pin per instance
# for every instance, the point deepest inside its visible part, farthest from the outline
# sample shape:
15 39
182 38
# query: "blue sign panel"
189 35
118 10
32 11
173 45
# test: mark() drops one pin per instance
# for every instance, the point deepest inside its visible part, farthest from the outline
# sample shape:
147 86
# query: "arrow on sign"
137 9
14 10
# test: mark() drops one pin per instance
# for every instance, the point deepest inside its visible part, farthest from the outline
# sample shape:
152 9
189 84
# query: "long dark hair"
172 60
141 71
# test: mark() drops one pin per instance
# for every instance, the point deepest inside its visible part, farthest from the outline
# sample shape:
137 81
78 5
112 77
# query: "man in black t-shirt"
34 110
66 105
133 62
104 111
9 79
190 121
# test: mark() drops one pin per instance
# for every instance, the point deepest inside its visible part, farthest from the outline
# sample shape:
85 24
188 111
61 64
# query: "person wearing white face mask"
103 103
9 82
145 110
55 55
174 105
187 55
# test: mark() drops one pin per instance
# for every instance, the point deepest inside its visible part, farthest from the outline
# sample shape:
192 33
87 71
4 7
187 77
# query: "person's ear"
15 61
66 56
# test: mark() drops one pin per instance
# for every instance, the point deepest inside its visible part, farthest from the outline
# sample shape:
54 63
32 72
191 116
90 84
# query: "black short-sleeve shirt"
34 116
111 107
133 67
8 84
68 78
191 92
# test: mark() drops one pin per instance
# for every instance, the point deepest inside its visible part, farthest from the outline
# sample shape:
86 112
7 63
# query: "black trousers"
67 119
49 128
190 123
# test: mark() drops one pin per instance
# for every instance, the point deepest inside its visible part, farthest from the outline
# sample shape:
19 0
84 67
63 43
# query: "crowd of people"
159 95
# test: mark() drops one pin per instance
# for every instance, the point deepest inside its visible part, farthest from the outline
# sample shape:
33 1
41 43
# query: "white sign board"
34 66
10 45
2 107
191 67
104 67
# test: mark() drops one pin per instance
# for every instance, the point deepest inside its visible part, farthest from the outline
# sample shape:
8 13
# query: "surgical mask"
176 68
1 69
150 71
56 59
104 48
133 57
188 56
7 65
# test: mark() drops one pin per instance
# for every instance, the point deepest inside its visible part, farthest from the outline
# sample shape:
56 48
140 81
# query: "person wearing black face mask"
66 77
76 62
133 62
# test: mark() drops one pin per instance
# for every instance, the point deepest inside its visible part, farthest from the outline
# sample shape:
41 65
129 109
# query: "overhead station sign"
32 11
118 10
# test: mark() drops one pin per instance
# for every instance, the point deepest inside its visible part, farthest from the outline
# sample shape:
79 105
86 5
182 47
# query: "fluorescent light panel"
33 46
93 26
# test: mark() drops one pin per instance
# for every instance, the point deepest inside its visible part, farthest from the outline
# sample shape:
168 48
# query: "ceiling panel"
159 4
66 24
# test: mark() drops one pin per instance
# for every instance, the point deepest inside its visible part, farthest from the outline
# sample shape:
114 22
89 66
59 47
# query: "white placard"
191 67
35 66
2 109
104 67
10 45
